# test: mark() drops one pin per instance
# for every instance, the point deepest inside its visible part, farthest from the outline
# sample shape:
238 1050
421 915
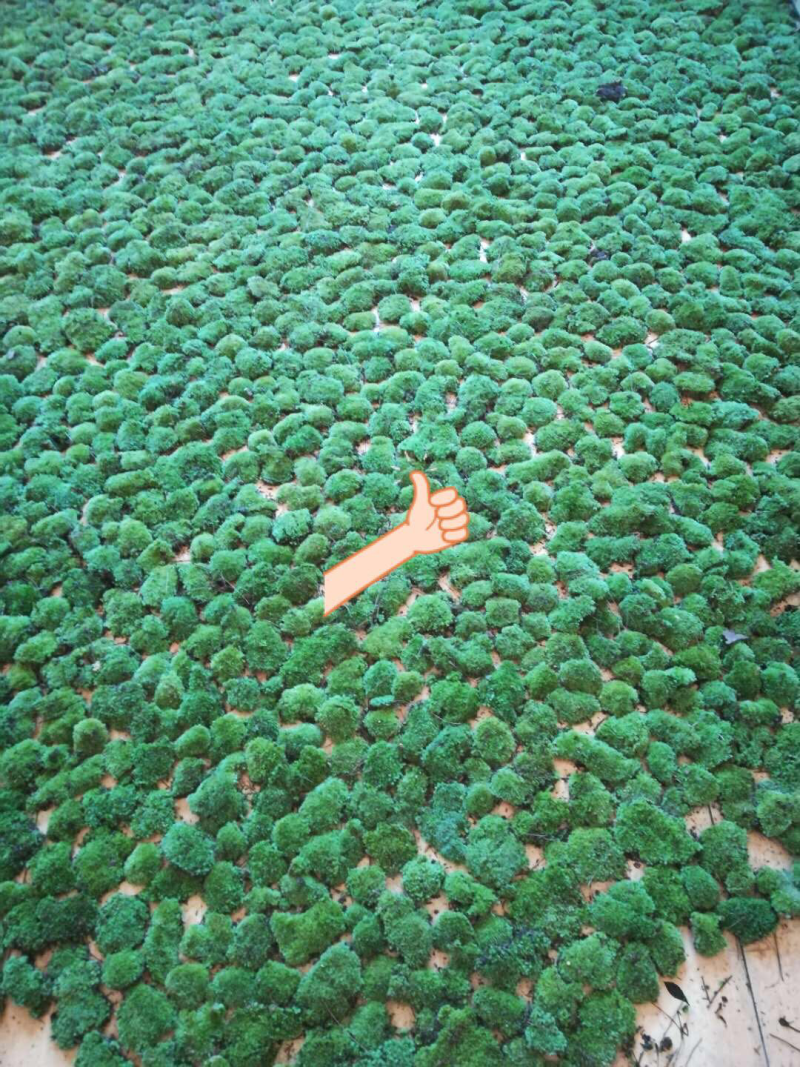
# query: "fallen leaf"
676 991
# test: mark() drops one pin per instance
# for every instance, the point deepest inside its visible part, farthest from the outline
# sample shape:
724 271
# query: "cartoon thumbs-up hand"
435 521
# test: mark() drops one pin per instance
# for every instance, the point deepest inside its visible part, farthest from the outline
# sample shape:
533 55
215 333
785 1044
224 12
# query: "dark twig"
778 953
783 1041
719 989
753 999
692 1052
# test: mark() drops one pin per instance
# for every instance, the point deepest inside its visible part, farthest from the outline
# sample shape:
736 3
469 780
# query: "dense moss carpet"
257 262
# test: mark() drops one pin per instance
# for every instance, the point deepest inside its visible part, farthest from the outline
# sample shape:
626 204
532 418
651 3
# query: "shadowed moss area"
257 262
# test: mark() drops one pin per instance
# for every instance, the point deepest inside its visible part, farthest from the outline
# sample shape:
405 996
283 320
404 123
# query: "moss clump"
144 1016
701 889
749 918
706 933
26 985
643 829
301 937
188 849
592 960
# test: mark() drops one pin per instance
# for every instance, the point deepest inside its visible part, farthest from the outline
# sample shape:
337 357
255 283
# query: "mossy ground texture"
257 262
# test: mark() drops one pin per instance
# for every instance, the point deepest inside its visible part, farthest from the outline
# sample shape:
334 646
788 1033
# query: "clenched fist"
435 520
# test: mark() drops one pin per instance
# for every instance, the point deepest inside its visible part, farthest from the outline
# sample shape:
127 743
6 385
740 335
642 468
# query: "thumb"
422 489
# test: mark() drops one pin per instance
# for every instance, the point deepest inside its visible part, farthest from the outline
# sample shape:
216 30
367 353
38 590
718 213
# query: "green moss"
592 854
644 830
26 985
706 933
224 342
189 849
81 1006
300 937
637 977
122 923
592 960
701 889
144 1016
666 948
121 969
724 848
461 1037
749 918
422 879
187 985
332 984
606 1021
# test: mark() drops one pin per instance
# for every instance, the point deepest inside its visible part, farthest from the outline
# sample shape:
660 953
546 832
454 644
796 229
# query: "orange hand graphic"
435 521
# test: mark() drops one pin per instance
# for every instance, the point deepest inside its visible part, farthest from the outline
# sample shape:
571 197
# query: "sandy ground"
26 1041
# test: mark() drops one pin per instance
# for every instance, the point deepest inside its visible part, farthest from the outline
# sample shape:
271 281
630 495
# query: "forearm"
351 576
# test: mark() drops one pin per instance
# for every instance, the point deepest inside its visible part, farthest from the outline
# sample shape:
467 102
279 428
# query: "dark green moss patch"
257 263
